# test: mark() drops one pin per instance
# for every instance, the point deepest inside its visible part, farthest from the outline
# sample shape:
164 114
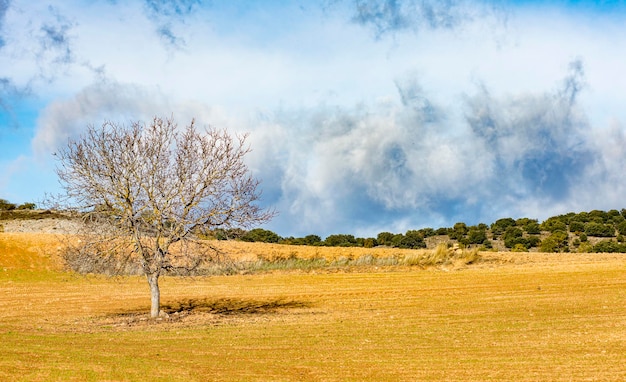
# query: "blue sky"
364 116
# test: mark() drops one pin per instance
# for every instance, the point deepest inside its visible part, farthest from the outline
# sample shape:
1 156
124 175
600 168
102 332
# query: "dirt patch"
44 225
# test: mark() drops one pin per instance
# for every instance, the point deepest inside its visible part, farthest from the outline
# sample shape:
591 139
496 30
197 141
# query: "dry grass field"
512 316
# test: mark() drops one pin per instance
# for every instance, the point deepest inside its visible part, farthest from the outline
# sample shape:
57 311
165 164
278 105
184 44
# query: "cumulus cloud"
410 162
396 164
36 50
367 165
119 103
538 142
369 115
122 103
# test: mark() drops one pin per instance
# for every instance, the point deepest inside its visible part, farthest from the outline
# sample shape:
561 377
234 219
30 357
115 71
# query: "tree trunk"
155 294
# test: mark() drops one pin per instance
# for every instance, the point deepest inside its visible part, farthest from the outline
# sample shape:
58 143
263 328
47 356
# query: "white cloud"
396 121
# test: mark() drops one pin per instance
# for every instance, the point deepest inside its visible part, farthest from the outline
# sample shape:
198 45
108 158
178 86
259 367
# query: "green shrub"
501 225
609 246
533 241
513 236
519 248
427 232
412 240
585 247
554 224
621 228
532 228
385 238
576 226
340 240
441 231
556 242
599 229
369 243
599 216
261 235
27 206
476 236
5 205
487 244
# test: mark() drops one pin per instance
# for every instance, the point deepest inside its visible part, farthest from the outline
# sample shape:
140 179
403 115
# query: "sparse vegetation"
563 233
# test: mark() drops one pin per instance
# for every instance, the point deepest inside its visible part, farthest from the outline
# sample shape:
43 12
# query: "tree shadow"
220 306
232 306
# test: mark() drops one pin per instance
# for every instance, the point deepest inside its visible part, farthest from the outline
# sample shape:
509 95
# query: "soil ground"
513 316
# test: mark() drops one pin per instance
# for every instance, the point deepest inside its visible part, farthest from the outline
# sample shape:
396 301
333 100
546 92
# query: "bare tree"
149 190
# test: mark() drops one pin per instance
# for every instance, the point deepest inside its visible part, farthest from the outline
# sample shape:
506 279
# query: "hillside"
594 231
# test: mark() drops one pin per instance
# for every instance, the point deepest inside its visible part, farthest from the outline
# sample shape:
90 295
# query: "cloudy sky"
364 116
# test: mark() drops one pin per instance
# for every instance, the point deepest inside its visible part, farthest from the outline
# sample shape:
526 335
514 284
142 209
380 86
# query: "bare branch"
154 186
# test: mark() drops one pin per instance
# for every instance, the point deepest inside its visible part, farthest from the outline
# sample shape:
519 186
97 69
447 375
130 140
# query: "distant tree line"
593 231
5 205
570 232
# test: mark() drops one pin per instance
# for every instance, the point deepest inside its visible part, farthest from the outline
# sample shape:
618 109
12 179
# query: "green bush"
513 236
412 239
427 232
460 228
519 248
5 205
599 229
487 244
599 216
609 246
533 241
553 224
501 225
621 228
340 240
476 236
27 206
441 231
261 235
576 226
312 240
556 242
532 228
385 238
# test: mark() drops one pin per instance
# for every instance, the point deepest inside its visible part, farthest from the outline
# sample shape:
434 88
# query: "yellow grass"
251 251
512 317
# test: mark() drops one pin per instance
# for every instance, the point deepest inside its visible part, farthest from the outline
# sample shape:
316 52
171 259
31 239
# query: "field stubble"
509 317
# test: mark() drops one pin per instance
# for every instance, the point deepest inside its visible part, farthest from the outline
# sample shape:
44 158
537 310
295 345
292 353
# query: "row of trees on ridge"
562 233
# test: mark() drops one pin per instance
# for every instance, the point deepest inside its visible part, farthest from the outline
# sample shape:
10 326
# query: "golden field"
511 316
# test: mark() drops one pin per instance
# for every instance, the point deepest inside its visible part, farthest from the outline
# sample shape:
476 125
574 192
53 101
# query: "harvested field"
513 316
